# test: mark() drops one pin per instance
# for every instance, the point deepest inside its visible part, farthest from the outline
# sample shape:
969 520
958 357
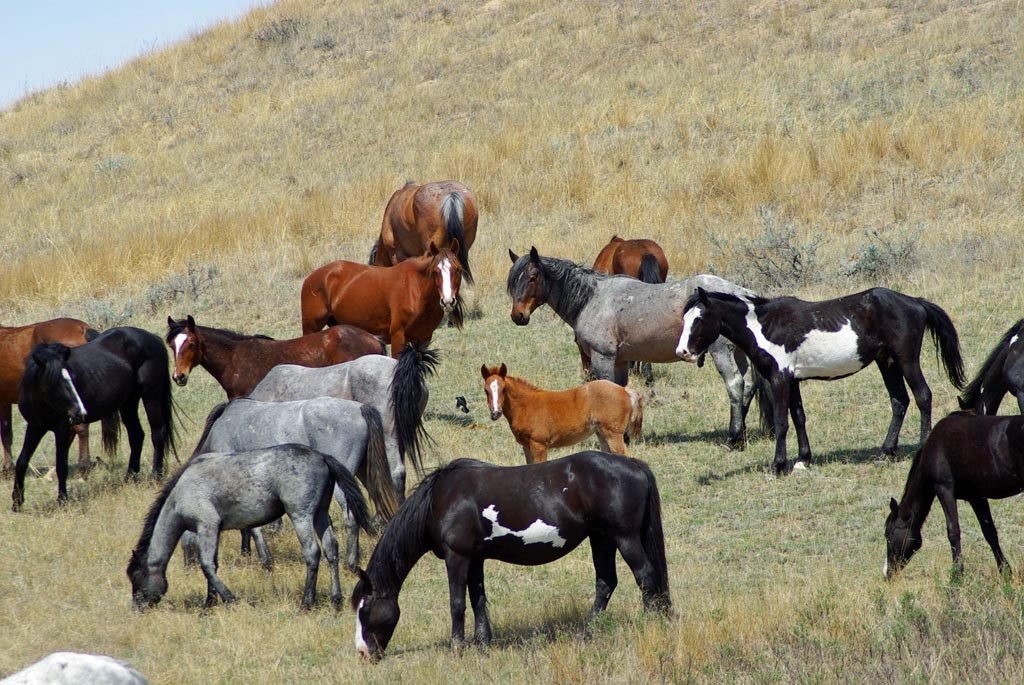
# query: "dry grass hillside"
807 148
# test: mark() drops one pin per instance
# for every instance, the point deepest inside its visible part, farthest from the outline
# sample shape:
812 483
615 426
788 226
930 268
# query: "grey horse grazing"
395 388
618 320
218 491
348 431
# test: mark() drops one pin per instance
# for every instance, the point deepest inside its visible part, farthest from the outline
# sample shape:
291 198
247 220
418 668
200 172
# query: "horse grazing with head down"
471 511
967 457
105 378
442 214
540 419
402 304
16 342
239 362
790 341
1002 372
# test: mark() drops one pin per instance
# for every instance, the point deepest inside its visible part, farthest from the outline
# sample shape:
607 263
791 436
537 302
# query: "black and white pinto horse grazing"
348 431
618 320
471 511
790 340
397 389
218 491
105 378
1002 372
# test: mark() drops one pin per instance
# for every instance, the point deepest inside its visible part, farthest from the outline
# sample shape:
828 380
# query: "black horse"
96 381
789 340
968 457
470 511
1002 372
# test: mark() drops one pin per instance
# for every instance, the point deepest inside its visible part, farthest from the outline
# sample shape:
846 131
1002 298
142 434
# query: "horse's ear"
454 245
484 371
432 250
893 505
190 323
170 322
702 295
513 256
534 255
503 370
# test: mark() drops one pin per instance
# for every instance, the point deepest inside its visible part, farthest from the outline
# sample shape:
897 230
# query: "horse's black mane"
38 377
578 282
180 327
727 297
973 389
142 547
404 539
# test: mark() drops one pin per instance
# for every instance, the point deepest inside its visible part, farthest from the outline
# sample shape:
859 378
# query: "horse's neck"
733 315
568 295
164 538
917 496
388 572
517 396
218 356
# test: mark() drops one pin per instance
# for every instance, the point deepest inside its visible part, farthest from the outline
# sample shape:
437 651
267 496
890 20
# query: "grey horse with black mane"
397 389
348 431
218 491
618 320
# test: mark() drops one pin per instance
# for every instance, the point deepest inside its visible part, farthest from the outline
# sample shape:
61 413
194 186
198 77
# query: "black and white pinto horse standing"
1002 372
618 320
790 340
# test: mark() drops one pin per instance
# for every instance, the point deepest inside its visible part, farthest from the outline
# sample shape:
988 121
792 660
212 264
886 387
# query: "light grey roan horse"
218 491
348 431
618 320
396 389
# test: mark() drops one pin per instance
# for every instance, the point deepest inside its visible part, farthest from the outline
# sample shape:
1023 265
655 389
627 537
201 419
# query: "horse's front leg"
607 367
33 435
62 438
458 573
948 502
780 392
208 538
6 437
535 452
988 529
478 600
737 386
796 410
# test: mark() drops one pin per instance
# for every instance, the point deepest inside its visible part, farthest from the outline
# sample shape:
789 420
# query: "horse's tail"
373 252
765 402
169 410
211 419
636 414
971 395
378 475
453 209
946 340
110 430
650 272
90 334
652 537
349 487
407 398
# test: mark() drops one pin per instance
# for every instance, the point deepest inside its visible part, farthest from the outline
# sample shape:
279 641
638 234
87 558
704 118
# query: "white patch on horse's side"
689 318
536 532
446 280
361 645
493 387
179 343
74 391
821 354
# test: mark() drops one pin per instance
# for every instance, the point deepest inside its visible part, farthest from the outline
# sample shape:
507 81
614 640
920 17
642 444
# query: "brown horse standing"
239 362
442 214
540 419
401 303
640 258
16 342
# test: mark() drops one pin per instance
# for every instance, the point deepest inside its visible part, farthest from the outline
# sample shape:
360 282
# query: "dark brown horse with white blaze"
966 457
470 511
239 362
442 214
16 342
402 304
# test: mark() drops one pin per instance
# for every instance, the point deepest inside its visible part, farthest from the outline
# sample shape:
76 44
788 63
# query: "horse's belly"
824 354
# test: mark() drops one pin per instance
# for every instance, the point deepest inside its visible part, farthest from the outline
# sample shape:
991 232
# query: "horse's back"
982 455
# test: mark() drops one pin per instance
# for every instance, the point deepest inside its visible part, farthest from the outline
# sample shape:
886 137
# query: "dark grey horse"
348 431
218 491
395 388
618 320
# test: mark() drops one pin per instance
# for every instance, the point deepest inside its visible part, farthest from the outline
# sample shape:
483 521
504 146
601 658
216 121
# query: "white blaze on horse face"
361 646
494 399
447 289
74 391
683 348
179 343
536 532
1013 340
821 354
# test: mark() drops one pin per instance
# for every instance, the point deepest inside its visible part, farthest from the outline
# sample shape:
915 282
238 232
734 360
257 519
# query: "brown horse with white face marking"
239 362
16 342
401 304
442 214
540 419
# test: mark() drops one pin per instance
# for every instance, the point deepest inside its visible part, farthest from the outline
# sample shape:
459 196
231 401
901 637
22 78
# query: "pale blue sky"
45 42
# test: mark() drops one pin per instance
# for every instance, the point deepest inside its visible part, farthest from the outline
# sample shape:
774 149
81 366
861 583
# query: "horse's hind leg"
309 542
644 570
611 441
6 437
796 411
262 549
458 574
922 395
136 436
988 529
602 550
82 431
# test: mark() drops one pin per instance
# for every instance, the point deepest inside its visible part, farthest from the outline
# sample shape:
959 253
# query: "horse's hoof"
800 466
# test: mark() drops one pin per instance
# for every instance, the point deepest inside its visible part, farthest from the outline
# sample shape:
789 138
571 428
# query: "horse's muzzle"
495 415
520 318
181 379
76 418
